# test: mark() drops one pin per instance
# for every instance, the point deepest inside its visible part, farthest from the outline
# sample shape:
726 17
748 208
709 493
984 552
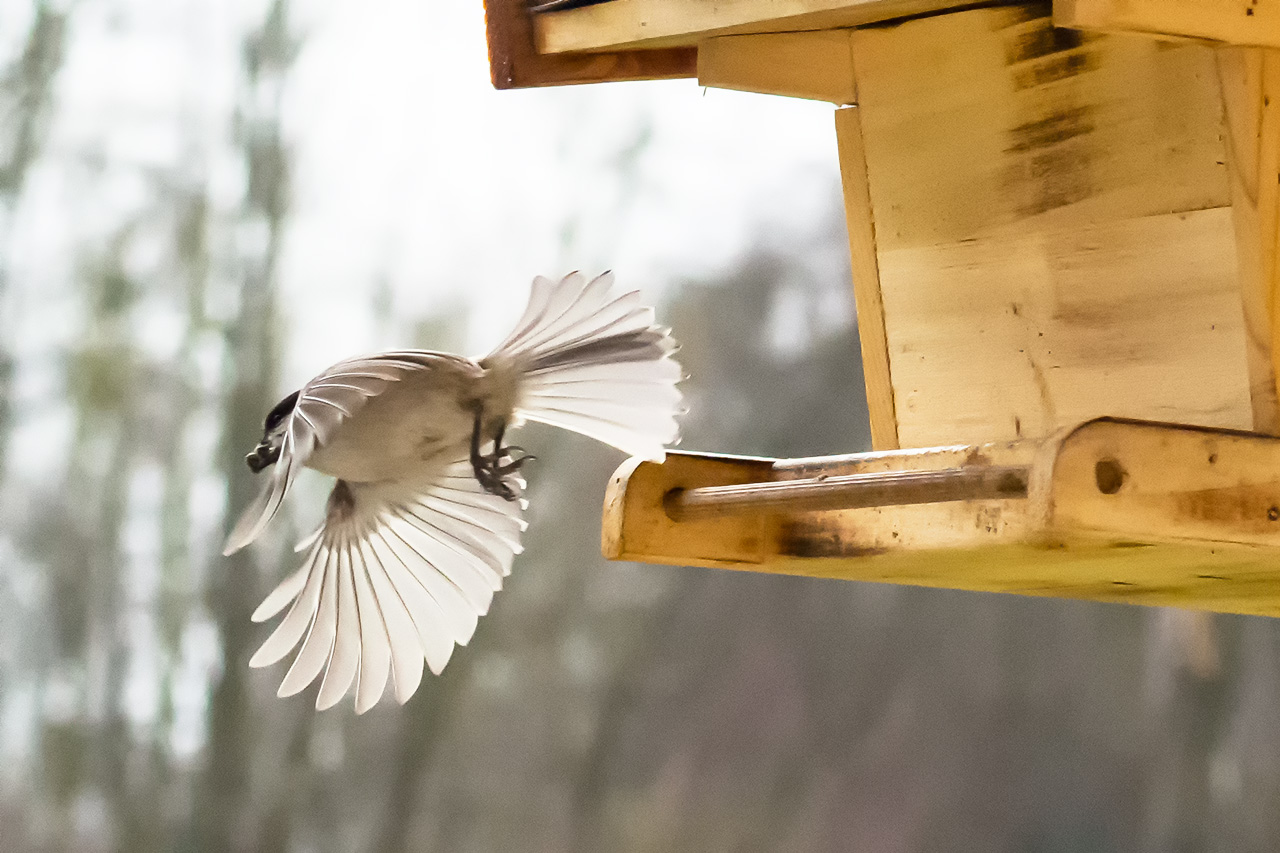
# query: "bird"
425 516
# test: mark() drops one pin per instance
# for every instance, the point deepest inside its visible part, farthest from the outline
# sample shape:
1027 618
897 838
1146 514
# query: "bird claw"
492 469
492 472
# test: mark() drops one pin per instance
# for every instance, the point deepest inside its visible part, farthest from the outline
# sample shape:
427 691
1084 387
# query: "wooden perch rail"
850 491
1110 510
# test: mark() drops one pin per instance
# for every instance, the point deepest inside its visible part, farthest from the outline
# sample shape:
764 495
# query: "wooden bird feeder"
1064 222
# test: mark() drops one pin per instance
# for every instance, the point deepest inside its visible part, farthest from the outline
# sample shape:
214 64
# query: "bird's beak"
261 457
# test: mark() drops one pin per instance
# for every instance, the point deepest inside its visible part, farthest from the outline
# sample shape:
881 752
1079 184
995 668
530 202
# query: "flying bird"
425 516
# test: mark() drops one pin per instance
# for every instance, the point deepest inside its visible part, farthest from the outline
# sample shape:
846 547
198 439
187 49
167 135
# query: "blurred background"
203 203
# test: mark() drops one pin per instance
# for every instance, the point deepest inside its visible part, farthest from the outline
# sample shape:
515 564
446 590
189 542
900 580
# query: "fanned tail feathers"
596 365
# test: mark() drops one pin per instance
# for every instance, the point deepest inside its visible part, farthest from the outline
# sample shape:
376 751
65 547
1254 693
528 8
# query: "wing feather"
428 592
281 596
344 659
403 649
300 615
474 589
318 644
398 575
375 648
493 552
428 616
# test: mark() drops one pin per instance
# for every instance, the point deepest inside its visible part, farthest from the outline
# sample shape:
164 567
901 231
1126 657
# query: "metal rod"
849 491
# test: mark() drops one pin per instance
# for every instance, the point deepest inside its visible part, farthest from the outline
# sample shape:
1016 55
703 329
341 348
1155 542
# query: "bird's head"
268 449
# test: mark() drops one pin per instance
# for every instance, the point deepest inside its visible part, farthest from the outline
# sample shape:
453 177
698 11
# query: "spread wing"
399 573
323 404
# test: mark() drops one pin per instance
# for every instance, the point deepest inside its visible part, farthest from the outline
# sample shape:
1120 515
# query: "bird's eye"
281 411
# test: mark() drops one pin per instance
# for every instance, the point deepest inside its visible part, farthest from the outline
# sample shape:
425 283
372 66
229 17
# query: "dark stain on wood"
1040 41
825 546
1053 177
809 540
1051 163
1250 508
1054 68
1055 128
975 456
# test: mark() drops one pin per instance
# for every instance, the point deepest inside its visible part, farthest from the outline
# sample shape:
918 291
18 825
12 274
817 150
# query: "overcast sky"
412 166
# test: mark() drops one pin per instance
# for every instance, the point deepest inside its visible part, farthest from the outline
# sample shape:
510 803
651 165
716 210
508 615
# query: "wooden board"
1221 580
1191 519
666 23
865 268
1237 22
1250 81
1052 228
515 64
814 65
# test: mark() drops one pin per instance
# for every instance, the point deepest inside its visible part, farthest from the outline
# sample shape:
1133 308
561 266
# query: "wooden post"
864 263
1250 80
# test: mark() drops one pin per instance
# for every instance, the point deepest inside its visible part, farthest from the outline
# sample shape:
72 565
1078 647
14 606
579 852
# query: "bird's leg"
508 452
490 469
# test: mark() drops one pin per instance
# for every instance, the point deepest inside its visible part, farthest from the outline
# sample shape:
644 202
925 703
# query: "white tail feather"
596 364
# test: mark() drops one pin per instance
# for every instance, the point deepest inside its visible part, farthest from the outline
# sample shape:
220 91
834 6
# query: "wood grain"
1052 227
1237 22
514 63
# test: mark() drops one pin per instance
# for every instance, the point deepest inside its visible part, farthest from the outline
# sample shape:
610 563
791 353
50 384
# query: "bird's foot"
492 469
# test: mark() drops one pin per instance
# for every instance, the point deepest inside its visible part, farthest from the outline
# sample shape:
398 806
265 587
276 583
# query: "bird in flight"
424 519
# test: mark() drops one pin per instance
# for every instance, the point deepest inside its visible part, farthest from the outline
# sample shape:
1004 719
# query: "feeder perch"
1064 225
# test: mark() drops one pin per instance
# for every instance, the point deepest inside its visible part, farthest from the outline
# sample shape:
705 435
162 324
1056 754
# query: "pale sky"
411 166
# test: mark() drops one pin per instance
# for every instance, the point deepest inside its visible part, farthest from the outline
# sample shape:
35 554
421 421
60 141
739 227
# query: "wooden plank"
814 65
1238 22
515 64
1229 579
861 224
667 23
1250 81
1117 511
1052 228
